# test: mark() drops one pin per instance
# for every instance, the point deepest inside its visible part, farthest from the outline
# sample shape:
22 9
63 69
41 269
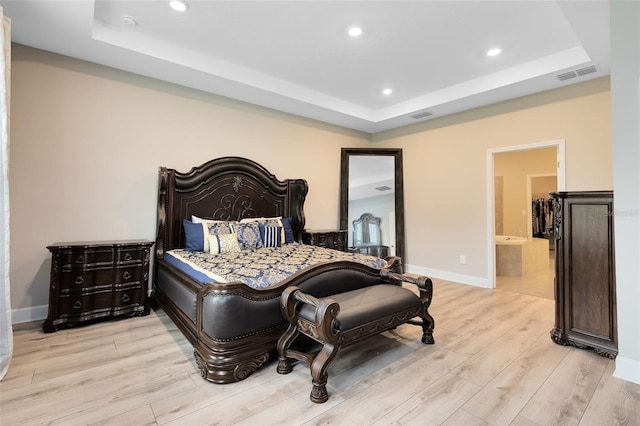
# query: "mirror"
371 188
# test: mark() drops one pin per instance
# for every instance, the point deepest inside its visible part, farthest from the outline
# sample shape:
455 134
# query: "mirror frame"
396 153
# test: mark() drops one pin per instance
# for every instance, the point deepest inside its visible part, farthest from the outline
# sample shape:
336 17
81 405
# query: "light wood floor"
493 363
539 284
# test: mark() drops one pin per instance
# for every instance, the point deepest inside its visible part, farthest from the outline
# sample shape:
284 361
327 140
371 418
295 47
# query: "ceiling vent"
577 73
586 70
567 75
383 188
419 115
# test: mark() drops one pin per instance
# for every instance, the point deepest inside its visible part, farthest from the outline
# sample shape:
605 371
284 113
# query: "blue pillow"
249 234
288 230
193 236
271 235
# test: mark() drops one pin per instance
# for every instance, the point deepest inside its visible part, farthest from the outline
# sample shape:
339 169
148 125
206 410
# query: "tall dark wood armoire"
585 285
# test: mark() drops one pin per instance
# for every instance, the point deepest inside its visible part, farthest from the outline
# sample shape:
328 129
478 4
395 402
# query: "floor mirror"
371 194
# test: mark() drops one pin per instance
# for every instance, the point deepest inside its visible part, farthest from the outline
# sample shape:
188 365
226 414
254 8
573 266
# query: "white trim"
491 208
449 276
34 313
627 369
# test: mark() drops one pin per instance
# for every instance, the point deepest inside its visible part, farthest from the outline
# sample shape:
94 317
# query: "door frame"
491 208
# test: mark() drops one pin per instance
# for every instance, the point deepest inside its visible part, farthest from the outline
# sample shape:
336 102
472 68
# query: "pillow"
271 235
219 227
288 230
193 236
223 243
196 219
214 227
248 234
269 221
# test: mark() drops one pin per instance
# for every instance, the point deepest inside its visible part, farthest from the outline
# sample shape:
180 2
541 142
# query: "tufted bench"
347 318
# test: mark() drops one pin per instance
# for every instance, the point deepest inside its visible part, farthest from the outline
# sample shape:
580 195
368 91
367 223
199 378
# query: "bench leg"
284 364
428 324
319 373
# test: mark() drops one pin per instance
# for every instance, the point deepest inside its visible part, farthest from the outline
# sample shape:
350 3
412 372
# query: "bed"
233 326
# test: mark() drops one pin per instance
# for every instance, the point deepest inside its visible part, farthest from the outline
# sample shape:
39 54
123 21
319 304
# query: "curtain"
6 334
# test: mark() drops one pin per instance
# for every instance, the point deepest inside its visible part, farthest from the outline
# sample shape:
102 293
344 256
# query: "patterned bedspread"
260 268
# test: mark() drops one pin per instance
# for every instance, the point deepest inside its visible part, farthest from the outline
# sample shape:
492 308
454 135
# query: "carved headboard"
228 188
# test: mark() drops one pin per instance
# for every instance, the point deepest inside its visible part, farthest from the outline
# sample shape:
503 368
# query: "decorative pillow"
193 236
248 234
223 243
222 227
288 230
271 235
269 221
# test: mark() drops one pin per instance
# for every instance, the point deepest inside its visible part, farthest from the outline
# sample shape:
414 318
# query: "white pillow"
223 243
205 228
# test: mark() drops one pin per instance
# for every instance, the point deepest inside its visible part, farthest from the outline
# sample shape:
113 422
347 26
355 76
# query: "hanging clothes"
542 216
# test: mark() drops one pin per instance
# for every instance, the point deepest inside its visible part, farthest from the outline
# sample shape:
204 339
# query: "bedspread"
260 268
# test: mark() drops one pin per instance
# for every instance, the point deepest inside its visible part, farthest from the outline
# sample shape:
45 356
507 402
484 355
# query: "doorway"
520 222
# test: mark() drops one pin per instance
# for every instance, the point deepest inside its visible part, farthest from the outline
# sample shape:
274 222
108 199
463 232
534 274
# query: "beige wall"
445 164
516 168
87 141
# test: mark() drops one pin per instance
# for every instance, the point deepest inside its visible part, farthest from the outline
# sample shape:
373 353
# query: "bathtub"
520 256
510 240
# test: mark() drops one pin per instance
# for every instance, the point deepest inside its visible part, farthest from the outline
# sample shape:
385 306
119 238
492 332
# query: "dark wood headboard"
228 188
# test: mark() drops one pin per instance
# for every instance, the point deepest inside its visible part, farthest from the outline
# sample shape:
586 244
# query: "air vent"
586 70
567 76
577 73
383 188
419 115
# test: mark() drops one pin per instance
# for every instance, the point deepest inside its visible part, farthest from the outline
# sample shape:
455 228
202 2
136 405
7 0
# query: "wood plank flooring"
493 363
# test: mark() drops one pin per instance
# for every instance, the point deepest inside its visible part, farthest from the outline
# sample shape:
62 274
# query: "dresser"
93 280
371 250
329 238
585 287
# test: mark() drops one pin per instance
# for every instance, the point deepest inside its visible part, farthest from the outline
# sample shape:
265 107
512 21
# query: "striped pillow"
271 235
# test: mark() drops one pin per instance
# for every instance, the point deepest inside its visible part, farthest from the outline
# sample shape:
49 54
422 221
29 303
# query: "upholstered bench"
346 318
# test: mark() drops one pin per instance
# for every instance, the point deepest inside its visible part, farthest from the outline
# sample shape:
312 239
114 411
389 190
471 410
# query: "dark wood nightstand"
92 280
329 238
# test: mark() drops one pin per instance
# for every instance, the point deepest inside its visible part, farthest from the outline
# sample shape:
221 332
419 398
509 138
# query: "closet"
542 215
585 287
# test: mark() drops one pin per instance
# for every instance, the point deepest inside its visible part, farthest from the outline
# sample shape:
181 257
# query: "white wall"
625 109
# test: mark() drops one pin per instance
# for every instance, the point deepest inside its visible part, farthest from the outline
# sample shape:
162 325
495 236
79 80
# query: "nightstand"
93 280
329 238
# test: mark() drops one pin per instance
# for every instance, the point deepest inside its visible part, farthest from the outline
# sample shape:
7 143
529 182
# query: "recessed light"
179 5
387 91
494 52
355 31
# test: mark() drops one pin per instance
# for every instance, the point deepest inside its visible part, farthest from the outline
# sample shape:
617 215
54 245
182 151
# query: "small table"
329 238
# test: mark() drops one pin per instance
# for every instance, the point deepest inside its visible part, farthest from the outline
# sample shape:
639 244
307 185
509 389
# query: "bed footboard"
233 328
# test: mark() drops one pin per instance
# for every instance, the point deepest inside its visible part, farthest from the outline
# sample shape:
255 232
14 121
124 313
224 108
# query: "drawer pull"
80 259
125 298
77 305
126 275
127 256
79 280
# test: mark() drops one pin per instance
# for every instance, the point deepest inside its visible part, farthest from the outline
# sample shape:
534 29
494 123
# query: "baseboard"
627 369
450 276
34 313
